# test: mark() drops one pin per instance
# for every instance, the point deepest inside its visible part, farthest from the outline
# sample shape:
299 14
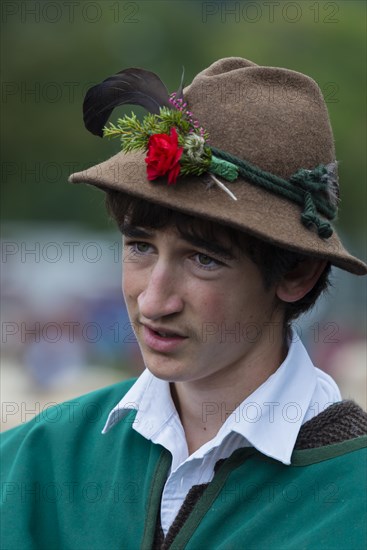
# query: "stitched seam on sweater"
154 499
312 456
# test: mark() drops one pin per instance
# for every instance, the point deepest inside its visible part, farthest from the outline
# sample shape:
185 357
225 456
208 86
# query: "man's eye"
206 261
141 247
137 247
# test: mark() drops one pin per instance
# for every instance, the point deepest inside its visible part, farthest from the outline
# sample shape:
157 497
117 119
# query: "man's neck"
204 405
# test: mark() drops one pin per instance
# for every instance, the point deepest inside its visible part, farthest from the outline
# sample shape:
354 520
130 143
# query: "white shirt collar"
269 419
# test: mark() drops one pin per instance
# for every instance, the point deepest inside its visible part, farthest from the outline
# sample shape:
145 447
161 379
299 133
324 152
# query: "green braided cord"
269 181
301 189
309 217
283 187
258 176
227 170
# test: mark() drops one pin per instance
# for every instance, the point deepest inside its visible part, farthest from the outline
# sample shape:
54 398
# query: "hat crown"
274 118
227 64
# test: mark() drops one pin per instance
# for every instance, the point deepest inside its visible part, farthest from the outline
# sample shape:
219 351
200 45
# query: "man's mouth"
160 339
163 332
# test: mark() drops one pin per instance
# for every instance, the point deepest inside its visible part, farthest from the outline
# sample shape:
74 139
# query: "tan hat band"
316 190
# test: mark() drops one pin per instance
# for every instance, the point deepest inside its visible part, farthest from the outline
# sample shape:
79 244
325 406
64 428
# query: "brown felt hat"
274 118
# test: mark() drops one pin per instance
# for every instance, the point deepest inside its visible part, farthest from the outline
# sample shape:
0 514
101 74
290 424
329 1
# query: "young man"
230 438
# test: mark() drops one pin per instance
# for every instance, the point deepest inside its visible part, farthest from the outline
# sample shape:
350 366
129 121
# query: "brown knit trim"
339 422
158 535
163 543
187 507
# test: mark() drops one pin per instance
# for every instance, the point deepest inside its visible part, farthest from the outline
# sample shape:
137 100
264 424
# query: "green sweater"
66 486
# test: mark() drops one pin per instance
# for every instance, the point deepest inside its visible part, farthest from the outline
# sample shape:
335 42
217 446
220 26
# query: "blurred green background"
52 52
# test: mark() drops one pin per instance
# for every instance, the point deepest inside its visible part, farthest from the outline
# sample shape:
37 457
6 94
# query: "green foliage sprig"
135 134
197 157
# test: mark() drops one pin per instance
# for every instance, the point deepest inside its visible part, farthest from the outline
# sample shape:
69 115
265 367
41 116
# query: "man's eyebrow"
135 232
210 247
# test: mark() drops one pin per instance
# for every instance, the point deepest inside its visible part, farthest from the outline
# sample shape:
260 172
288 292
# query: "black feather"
179 93
130 86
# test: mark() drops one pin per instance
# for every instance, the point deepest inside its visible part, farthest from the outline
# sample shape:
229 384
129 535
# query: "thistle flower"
194 146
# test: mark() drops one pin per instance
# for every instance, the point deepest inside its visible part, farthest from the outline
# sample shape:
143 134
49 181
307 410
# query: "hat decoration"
177 145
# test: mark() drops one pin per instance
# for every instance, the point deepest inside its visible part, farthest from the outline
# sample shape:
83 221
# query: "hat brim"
257 211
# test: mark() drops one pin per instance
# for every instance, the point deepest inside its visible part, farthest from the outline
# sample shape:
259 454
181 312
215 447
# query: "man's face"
198 310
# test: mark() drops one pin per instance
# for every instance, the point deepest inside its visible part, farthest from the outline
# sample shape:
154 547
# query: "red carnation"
163 156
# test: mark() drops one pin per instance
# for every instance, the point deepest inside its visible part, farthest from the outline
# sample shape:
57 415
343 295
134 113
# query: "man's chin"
167 374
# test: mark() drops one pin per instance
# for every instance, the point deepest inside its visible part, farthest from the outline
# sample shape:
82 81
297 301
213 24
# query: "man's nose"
162 295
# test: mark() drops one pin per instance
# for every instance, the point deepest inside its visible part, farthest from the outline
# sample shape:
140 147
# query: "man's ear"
299 281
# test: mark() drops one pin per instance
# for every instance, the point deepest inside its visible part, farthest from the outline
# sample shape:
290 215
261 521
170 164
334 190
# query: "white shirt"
269 419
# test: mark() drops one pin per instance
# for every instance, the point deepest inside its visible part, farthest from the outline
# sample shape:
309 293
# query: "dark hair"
273 261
